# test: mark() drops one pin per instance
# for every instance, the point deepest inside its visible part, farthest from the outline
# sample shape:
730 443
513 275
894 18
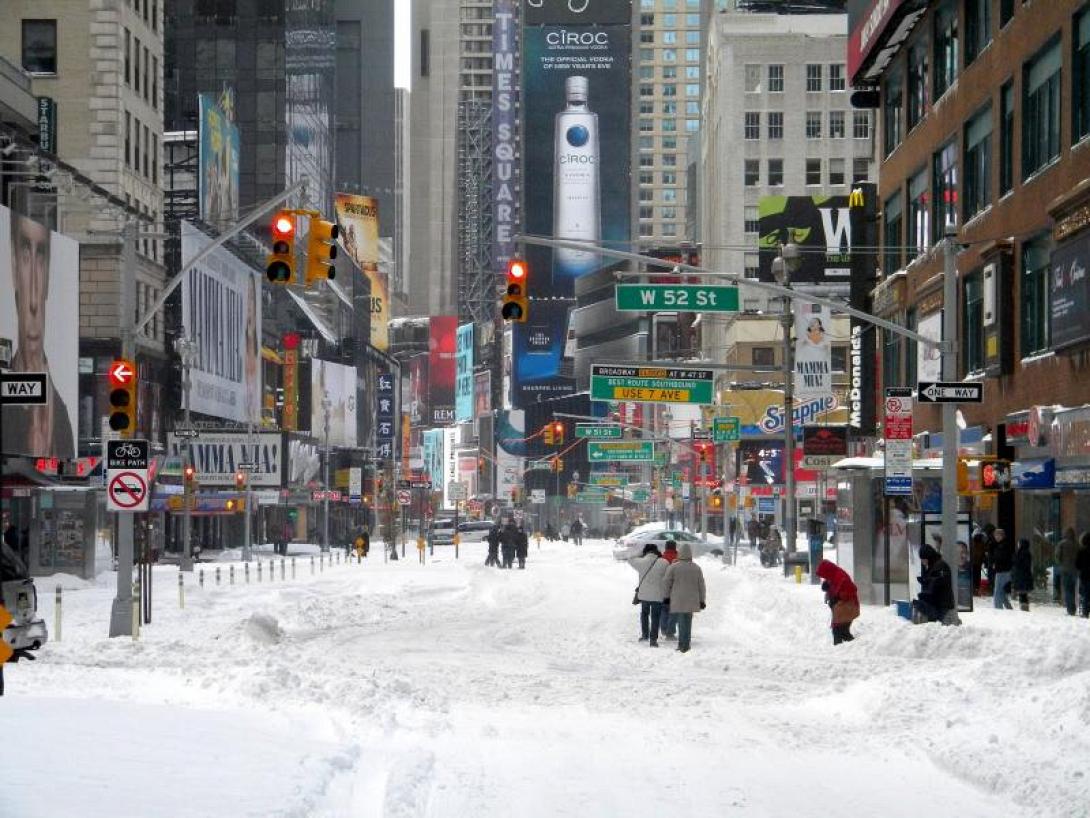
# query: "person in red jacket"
669 623
842 596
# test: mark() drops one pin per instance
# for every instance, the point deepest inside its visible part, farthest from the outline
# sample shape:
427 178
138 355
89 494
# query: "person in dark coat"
522 545
842 596
1001 559
1066 555
508 543
576 530
493 539
1082 565
1022 573
936 597
977 549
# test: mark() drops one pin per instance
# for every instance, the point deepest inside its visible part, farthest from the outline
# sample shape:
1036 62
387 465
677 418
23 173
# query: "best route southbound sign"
23 389
634 450
949 392
649 384
127 475
681 297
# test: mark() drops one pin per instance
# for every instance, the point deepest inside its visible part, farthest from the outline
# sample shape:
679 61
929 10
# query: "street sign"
638 450
596 431
949 392
818 461
121 372
641 496
127 491
898 440
726 429
404 484
608 480
325 495
246 466
595 498
702 434
23 389
457 491
421 484
646 384
540 465
680 297
537 496
404 497
186 433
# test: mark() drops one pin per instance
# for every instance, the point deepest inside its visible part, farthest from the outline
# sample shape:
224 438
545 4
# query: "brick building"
984 120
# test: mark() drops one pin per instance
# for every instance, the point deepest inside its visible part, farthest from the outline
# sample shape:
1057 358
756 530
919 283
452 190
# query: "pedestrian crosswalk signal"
515 305
321 250
280 264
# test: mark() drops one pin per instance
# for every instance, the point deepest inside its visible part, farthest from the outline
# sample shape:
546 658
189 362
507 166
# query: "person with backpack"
685 592
649 591
842 596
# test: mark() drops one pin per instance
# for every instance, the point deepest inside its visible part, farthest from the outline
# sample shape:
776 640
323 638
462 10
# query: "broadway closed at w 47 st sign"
649 384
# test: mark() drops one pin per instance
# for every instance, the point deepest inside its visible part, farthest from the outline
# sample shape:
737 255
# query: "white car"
631 545
474 530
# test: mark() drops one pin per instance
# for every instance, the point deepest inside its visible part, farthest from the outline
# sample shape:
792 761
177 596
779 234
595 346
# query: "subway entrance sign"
648 384
682 297
638 450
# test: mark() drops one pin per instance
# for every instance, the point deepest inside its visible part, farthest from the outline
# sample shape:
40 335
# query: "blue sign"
766 505
1033 474
384 416
463 374
899 486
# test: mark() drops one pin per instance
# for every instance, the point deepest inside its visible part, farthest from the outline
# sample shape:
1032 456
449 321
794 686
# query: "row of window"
146 161
814 124
669 125
667 212
670 37
837 173
665 229
667 195
669 5
142 76
692 89
669 107
669 55
669 20
819 76
149 9
664 178
669 72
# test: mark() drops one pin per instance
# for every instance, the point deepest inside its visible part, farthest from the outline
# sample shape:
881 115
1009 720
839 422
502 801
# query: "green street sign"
595 498
594 431
641 496
726 430
660 457
629 450
650 384
540 465
681 297
608 480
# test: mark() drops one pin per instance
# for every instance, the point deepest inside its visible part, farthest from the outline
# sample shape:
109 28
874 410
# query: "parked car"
441 532
474 530
631 545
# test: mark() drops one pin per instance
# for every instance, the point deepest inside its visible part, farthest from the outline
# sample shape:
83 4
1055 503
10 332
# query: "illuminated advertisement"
333 386
463 377
384 415
218 152
441 342
819 225
504 133
419 414
576 108
357 217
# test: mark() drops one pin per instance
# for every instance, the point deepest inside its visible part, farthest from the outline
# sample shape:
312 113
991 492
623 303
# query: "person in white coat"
684 591
652 569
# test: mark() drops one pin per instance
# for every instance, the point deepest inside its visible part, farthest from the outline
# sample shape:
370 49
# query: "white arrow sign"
944 392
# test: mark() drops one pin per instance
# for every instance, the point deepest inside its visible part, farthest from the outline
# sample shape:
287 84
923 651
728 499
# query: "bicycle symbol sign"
127 454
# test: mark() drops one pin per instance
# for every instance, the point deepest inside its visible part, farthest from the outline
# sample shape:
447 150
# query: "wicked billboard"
819 225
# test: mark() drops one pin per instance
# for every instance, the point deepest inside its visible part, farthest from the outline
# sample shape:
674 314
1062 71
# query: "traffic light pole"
949 410
188 348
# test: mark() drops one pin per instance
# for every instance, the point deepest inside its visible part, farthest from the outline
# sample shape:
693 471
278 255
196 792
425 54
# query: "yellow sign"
650 395
5 649
358 220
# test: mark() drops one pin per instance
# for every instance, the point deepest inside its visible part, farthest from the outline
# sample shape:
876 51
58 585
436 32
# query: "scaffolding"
476 279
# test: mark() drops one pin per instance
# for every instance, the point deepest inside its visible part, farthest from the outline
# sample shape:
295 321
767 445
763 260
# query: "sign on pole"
681 297
127 475
592 430
404 497
726 429
949 392
537 496
647 384
635 450
23 389
457 490
898 439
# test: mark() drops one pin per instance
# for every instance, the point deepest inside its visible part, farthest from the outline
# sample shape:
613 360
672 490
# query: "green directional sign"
726 430
641 496
660 457
540 465
608 480
628 450
681 297
651 384
597 498
594 431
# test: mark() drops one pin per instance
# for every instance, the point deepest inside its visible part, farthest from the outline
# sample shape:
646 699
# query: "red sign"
127 489
898 418
869 31
121 372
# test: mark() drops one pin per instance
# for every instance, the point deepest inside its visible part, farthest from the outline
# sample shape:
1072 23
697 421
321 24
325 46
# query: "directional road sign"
949 392
537 496
595 498
648 384
23 388
540 465
641 450
726 429
680 297
421 484
457 490
598 431
186 433
404 497
608 479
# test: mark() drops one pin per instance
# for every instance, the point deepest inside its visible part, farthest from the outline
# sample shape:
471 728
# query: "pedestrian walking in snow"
649 591
667 620
493 539
1066 555
842 597
522 545
684 591
1082 565
1022 573
577 527
978 548
1001 560
508 542
936 598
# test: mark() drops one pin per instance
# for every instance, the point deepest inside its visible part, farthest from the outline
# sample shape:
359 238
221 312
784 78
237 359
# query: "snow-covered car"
632 544
441 532
474 530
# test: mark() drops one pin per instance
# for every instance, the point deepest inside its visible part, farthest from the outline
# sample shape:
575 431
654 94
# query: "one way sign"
949 392
23 388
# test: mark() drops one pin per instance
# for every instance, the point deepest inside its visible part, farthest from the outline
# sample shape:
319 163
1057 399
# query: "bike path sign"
127 475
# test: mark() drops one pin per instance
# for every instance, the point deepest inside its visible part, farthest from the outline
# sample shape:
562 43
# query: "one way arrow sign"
23 388
949 392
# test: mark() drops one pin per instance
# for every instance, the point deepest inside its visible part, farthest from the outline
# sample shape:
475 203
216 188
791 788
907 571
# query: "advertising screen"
39 306
218 157
337 383
441 343
819 225
576 109
463 382
221 311
357 217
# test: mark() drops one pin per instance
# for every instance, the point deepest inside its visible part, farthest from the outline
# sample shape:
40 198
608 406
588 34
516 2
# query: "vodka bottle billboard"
576 202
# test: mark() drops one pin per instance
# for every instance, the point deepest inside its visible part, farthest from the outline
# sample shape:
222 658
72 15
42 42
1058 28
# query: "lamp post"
327 404
782 265
187 351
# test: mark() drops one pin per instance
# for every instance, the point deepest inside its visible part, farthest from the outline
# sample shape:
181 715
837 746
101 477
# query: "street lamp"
327 404
782 266
187 349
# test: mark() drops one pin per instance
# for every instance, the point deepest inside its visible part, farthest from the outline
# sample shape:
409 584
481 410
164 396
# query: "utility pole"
949 410
781 271
326 405
187 350
251 462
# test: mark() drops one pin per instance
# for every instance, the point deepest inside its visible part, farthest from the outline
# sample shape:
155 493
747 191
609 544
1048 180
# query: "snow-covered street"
452 689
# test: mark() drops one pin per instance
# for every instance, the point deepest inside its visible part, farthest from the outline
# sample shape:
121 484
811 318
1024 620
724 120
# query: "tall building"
668 66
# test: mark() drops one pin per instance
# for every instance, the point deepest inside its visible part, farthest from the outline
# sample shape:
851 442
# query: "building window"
860 169
836 171
775 79
692 89
692 108
647 178
147 75
155 83
1081 77
647 37
944 188
136 145
669 55
837 77
917 82
813 77
751 216
646 125
646 194
692 55
40 46
892 223
646 108
860 124
647 19
764 356
128 139
669 124
647 55
946 46
775 124
647 212
813 124
669 228
775 173
978 163
128 58
647 72
692 38
972 320
669 159
838 357
647 90
978 27
669 38
1006 138
647 229
136 64
836 124
646 160
669 90
1041 109
753 125
669 195
692 72
155 158
752 172
1034 296
813 171
147 153
669 212
919 214
893 112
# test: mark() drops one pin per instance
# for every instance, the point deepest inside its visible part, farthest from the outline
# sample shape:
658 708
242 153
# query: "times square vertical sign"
504 133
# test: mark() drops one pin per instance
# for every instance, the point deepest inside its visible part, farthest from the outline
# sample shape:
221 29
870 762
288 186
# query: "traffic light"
717 500
515 305
230 504
558 464
190 474
480 464
548 434
704 451
280 264
558 433
240 480
122 376
995 475
321 250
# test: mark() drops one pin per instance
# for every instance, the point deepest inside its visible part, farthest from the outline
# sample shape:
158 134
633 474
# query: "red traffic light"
189 472
283 225
516 269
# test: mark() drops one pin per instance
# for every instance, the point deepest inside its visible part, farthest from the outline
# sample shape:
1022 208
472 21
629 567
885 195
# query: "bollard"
312 565
231 574
246 571
338 558
283 569
293 567
272 571
57 617
217 576
359 558
798 575
136 610
259 570
321 563
420 545
181 590
200 578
